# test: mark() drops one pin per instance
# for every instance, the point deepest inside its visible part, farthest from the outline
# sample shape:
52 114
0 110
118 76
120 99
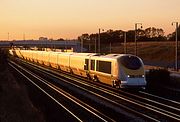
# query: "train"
117 70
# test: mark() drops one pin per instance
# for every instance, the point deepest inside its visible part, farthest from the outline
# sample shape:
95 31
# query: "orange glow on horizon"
68 18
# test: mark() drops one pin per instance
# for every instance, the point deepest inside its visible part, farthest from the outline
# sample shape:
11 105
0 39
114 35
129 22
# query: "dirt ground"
15 105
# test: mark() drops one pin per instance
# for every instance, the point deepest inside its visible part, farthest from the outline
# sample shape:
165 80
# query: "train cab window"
92 64
103 66
131 62
86 65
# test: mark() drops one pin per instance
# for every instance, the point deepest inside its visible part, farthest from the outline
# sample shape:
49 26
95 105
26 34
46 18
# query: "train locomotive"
117 70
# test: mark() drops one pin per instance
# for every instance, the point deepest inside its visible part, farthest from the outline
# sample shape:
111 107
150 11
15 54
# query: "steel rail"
166 113
155 96
109 100
144 105
60 91
45 93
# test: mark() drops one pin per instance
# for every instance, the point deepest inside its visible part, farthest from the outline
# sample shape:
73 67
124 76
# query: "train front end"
131 72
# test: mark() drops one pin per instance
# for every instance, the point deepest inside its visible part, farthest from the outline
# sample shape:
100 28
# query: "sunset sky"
70 18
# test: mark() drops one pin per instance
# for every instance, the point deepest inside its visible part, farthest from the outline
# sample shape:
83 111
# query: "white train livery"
118 70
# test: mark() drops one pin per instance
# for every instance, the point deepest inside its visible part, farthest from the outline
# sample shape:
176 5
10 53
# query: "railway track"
143 105
77 109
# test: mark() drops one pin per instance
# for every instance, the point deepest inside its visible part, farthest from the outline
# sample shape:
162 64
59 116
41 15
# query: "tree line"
114 36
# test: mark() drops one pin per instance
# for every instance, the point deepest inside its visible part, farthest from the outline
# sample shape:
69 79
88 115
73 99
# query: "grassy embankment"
152 53
15 105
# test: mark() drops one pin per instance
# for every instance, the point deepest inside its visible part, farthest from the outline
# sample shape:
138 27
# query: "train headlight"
128 76
143 76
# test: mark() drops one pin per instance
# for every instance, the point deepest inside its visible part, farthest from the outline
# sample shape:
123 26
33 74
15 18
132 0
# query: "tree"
172 36
86 39
60 39
153 34
149 34
130 36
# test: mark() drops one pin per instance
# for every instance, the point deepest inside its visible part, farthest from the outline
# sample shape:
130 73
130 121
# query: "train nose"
136 81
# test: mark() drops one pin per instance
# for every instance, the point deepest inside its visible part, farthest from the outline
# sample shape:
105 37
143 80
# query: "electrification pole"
110 46
95 45
24 37
8 36
176 52
135 38
125 46
99 40
81 44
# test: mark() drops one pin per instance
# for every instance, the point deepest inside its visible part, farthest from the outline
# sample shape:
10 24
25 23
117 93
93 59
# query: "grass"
15 104
153 53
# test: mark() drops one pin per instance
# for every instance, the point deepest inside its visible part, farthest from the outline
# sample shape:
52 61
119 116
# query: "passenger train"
117 70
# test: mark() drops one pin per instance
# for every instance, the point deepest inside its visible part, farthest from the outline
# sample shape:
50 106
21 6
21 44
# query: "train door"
87 69
86 65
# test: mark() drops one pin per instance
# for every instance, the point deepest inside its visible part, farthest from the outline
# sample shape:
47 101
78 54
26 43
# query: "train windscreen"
131 62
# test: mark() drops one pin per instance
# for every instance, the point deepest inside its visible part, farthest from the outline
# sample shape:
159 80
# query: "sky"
69 19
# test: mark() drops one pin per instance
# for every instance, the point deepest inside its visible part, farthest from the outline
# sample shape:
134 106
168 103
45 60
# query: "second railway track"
114 102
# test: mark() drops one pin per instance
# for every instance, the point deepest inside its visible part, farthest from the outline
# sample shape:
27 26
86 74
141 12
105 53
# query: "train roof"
84 54
109 56
93 55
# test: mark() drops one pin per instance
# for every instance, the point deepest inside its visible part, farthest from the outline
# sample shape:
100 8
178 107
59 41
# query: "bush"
157 77
3 60
175 82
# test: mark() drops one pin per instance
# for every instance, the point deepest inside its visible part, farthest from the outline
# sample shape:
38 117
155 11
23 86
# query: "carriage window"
131 62
92 64
86 65
103 66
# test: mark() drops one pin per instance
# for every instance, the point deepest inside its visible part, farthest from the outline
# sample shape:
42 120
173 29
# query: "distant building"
43 38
